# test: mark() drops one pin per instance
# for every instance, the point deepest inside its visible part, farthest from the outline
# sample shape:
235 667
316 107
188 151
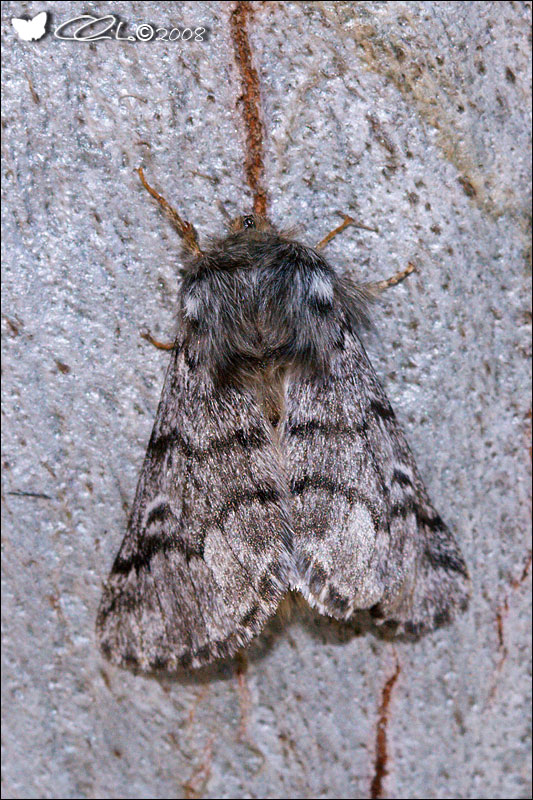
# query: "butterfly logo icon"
30 29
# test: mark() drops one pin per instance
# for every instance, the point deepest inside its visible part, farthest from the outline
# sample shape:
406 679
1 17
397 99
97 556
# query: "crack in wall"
382 754
195 786
251 103
502 612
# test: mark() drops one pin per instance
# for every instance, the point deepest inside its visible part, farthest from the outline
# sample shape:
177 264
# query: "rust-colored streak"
503 608
502 612
197 700
251 100
382 756
528 416
194 788
525 572
34 96
245 704
245 701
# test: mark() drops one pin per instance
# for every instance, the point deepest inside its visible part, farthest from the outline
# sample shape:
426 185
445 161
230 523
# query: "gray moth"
275 463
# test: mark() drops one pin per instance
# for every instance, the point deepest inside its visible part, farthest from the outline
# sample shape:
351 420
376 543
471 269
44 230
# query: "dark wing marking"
365 533
205 558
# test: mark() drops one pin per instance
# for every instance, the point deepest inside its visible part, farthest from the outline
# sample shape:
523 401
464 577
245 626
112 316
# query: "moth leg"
185 229
376 287
344 224
156 343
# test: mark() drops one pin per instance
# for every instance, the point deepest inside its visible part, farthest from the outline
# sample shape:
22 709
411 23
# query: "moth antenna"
377 287
361 225
185 229
347 221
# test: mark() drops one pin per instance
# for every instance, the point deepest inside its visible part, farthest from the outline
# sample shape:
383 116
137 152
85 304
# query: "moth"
275 463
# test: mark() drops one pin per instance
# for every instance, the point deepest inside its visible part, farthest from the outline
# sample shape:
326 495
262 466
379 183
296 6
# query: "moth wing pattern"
205 558
275 462
365 533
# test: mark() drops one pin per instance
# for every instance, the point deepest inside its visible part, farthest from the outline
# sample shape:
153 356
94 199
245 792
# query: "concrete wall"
412 116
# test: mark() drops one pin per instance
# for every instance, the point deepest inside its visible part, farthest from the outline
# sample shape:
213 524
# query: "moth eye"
248 222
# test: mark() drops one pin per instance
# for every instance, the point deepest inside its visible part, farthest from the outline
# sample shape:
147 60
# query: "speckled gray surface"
414 116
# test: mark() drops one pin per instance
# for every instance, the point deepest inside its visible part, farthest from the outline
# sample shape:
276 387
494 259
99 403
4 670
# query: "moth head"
250 222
